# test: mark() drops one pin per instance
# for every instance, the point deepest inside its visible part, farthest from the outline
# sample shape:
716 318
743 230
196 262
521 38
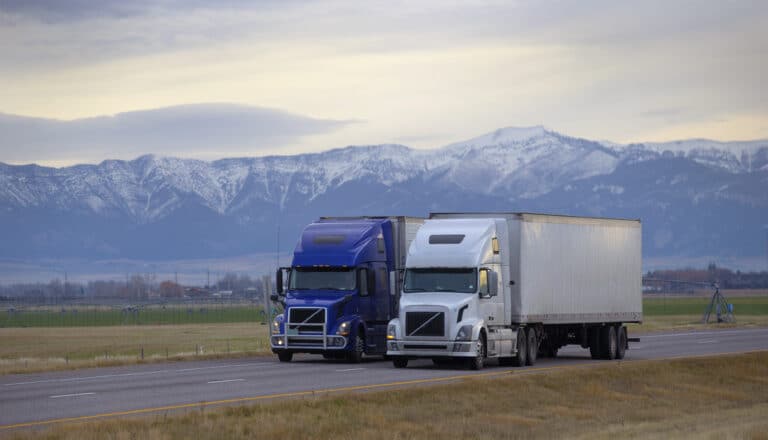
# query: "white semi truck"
513 286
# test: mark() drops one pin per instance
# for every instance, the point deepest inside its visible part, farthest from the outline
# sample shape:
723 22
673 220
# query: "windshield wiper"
444 290
414 289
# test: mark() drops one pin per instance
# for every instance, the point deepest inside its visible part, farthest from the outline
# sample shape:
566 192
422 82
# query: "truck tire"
621 342
285 356
521 357
400 362
356 355
595 345
608 342
476 363
532 346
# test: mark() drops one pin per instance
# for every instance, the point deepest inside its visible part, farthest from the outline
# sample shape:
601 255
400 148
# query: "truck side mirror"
362 281
488 283
279 282
279 287
493 283
372 282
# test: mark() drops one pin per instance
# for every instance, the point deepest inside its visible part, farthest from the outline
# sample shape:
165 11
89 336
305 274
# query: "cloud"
55 11
205 131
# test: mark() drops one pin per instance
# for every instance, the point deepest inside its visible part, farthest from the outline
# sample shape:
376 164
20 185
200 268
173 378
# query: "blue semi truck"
342 287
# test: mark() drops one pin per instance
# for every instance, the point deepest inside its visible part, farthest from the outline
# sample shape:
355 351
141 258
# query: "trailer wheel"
520 358
532 346
621 339
284 356
608 342
356 355
400 362
595 344
476 363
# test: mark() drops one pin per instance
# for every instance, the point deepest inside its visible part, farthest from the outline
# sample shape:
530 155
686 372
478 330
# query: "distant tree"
169 289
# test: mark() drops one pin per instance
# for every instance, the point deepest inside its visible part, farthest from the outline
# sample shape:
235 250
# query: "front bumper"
430 348
308 343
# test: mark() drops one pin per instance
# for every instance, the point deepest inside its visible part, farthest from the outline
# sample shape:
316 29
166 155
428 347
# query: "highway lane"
29 400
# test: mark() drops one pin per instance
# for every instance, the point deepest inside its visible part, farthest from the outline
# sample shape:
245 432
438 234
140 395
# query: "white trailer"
514 286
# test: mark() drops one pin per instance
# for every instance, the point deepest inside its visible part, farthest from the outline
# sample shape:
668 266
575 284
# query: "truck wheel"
621 342
532 346
285 356
595 344
521 357
400 362
608 342
476 363
356 355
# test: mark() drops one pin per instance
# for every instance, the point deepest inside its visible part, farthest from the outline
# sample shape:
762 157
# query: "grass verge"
715 397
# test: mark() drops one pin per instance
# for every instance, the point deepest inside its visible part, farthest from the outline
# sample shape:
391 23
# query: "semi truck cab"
451 300
341 288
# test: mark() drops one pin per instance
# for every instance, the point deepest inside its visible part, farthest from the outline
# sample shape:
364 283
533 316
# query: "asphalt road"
39 399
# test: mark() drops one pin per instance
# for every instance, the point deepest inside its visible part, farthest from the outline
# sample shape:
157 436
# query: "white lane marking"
707 341
72 395
141 373
722 332
226 380
351 369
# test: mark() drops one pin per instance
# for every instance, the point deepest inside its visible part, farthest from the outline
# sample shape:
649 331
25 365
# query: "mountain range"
696 198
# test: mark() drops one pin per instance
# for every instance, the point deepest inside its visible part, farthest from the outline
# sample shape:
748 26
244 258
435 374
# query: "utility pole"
766 245
267 280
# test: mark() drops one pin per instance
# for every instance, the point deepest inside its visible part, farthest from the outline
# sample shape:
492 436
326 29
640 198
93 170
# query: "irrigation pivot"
722 309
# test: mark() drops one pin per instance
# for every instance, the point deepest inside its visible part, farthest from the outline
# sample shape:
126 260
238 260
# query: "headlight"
276 324
465 333
392 332
344 328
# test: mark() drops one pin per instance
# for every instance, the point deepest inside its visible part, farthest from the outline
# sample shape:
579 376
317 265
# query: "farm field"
51 348
167 333
685 398
151 314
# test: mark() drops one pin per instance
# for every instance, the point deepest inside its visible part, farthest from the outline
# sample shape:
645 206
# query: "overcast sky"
83 81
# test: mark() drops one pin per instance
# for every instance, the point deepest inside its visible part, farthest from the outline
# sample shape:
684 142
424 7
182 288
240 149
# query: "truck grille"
425 324
309 319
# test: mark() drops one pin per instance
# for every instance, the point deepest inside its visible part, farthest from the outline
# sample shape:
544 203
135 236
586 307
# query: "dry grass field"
717 397
24 350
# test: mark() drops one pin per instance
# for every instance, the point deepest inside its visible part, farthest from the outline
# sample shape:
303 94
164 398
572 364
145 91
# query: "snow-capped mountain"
696 197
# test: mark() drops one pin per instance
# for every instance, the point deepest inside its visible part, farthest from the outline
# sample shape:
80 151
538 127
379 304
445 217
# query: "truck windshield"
322 278
461 280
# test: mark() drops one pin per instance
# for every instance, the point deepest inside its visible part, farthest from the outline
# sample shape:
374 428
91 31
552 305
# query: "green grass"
716 397
755 305
98 316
